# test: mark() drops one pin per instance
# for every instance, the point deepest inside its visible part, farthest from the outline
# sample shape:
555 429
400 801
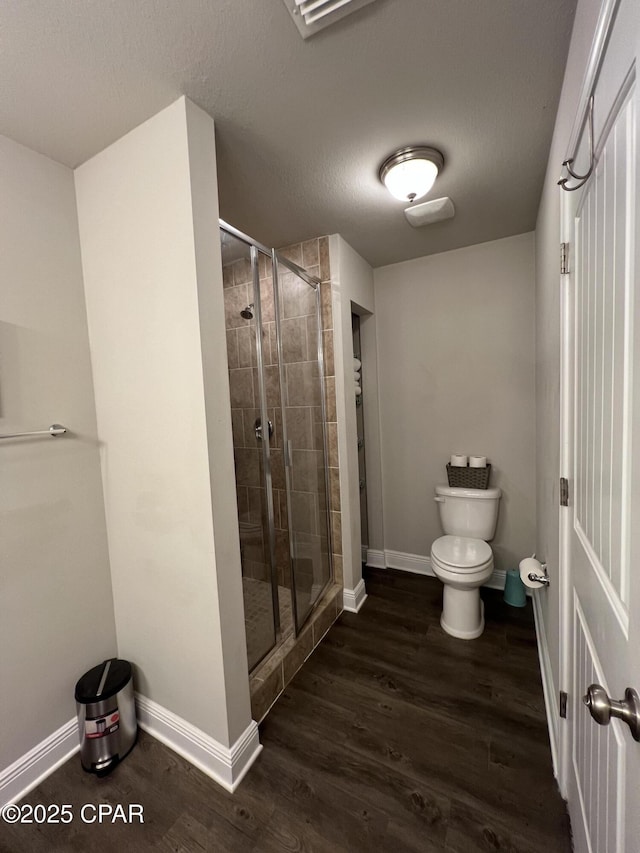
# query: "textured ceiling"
302 126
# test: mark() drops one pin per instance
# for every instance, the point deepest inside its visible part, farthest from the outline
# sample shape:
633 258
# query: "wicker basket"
468 478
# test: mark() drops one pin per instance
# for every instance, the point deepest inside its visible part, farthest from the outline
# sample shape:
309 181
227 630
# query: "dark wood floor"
393 737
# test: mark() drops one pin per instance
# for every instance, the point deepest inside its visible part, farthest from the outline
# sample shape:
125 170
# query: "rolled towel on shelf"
357 364
358 390
356 376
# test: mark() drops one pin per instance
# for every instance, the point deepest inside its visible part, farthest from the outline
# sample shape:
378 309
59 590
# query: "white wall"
352 290
456 375
149 230
371 409
56 607
548 330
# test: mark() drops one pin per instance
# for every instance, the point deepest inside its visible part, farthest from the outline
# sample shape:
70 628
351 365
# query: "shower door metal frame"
255 248
266 442
313 282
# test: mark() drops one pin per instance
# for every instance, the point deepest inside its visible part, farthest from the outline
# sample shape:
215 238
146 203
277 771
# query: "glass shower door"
297 302
246 356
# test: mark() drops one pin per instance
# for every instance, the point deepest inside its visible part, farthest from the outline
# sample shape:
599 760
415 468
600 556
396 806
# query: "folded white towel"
357 364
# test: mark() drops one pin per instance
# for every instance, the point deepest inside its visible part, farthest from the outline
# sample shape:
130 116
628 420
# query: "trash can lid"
103 681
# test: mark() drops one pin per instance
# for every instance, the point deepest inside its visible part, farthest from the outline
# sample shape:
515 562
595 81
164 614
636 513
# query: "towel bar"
54 430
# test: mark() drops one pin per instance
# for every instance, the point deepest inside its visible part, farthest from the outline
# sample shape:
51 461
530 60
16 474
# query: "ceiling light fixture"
409 173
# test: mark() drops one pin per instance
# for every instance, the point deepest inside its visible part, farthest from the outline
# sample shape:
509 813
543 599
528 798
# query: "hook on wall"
582 179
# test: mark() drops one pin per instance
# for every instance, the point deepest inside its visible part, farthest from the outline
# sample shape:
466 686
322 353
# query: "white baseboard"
225 765
353 599
41 761
548 687
420 565
414 563
375 559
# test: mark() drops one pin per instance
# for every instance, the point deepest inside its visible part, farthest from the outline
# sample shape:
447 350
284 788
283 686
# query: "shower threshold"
271 676
258 614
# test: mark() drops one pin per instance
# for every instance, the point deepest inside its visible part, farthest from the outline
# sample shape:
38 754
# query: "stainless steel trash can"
106 715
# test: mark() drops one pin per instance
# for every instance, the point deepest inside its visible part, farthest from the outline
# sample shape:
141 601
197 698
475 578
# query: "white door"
601 437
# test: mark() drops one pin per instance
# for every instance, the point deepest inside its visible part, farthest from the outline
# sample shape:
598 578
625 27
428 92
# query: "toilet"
462 559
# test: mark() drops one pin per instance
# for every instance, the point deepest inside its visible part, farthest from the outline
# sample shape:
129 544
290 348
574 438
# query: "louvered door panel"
603 339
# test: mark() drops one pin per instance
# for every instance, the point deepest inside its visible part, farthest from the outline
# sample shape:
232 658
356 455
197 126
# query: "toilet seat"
460 553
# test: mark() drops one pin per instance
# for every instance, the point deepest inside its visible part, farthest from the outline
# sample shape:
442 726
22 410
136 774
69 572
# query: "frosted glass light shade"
410 173
411 180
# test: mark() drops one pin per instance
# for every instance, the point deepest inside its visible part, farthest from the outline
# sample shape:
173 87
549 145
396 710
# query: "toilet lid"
460 552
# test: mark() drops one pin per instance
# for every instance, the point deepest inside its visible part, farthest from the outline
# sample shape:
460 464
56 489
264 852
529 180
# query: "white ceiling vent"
311 16
430 211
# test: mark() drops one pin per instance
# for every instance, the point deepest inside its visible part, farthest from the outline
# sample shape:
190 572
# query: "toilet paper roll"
357 364
531 566
356 375
458 460
358 390
477 462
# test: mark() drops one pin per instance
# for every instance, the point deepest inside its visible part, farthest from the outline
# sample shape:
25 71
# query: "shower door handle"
288 454
258 428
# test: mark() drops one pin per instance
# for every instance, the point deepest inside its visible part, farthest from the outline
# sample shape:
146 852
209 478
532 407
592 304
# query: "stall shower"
278 408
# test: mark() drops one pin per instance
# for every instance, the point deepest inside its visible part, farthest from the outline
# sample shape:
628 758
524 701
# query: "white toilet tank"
468 512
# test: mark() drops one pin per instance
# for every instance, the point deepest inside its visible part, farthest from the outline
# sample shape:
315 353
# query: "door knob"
602 708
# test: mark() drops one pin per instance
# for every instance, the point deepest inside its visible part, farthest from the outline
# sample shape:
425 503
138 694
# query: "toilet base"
462 613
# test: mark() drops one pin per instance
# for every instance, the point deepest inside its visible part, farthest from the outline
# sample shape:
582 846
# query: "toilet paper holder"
544 578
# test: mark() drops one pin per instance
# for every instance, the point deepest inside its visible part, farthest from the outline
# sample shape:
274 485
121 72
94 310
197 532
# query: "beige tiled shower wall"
299 343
